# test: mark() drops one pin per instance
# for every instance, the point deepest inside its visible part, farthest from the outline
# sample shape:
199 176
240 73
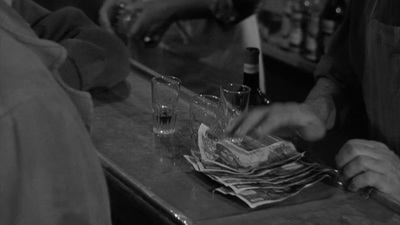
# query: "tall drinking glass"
234 100
204 109
165 99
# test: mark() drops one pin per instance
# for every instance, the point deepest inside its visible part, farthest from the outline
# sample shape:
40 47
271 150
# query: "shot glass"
234 100
204 109
165 99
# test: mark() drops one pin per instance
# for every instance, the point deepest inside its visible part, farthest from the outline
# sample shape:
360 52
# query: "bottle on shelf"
312 44
286 25
251 77
298 25
332 16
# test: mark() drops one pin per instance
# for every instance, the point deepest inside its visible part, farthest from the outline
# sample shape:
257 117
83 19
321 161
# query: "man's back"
49 169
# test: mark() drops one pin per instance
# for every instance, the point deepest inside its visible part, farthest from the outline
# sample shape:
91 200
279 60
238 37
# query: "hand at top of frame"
368 163
282 119
142 20
147 21
151 19
105 14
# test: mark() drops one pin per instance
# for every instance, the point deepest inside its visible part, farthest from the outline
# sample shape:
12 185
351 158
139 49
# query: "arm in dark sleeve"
96 58
49 169
336 64
336 80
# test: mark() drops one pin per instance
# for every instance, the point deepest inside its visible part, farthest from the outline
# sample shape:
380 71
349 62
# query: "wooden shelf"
291 58
269 17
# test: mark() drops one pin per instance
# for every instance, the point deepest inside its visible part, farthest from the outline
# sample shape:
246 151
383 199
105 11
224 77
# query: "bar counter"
153 172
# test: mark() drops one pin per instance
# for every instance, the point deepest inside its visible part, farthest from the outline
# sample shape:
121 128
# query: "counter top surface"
154 168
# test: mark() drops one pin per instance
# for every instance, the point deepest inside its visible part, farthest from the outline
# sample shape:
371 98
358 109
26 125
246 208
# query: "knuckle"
359 162
350 147
351 142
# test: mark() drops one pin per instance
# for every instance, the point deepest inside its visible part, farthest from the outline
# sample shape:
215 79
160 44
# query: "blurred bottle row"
306 26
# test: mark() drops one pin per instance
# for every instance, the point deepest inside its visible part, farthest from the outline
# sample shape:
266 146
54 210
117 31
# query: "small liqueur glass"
234 99
165 99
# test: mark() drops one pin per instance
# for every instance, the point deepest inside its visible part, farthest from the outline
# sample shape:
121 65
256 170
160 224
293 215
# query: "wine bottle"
296 38
251 78
286 26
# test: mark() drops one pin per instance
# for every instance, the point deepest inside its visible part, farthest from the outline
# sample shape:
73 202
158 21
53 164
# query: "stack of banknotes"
258 172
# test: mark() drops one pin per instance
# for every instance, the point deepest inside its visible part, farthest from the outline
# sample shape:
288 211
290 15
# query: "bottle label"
250 69
311 44
328 26
313 26
326 41
296 37
286 26
297 16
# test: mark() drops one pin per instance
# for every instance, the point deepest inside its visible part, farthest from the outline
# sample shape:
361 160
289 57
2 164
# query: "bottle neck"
251 76
251 68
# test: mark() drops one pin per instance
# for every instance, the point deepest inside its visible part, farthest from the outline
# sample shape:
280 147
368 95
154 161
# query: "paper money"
255 172
192 161
245 156
303 179
254 198
274 176
257 197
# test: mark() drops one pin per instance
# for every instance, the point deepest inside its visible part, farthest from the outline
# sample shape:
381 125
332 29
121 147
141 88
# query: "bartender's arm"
363 163
309 119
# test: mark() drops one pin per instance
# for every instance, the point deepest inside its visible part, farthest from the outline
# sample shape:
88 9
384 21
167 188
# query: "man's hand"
282 119
370 164
151 19
105 14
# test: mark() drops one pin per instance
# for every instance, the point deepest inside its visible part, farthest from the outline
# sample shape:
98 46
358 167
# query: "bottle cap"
251 55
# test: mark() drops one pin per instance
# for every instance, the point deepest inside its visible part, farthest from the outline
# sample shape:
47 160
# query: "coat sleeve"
49 170
337 66
96 58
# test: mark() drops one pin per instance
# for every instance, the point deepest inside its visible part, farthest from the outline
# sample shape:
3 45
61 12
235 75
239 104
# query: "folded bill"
263 196
247 155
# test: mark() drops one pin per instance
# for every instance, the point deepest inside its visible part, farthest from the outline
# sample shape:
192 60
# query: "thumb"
105 14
